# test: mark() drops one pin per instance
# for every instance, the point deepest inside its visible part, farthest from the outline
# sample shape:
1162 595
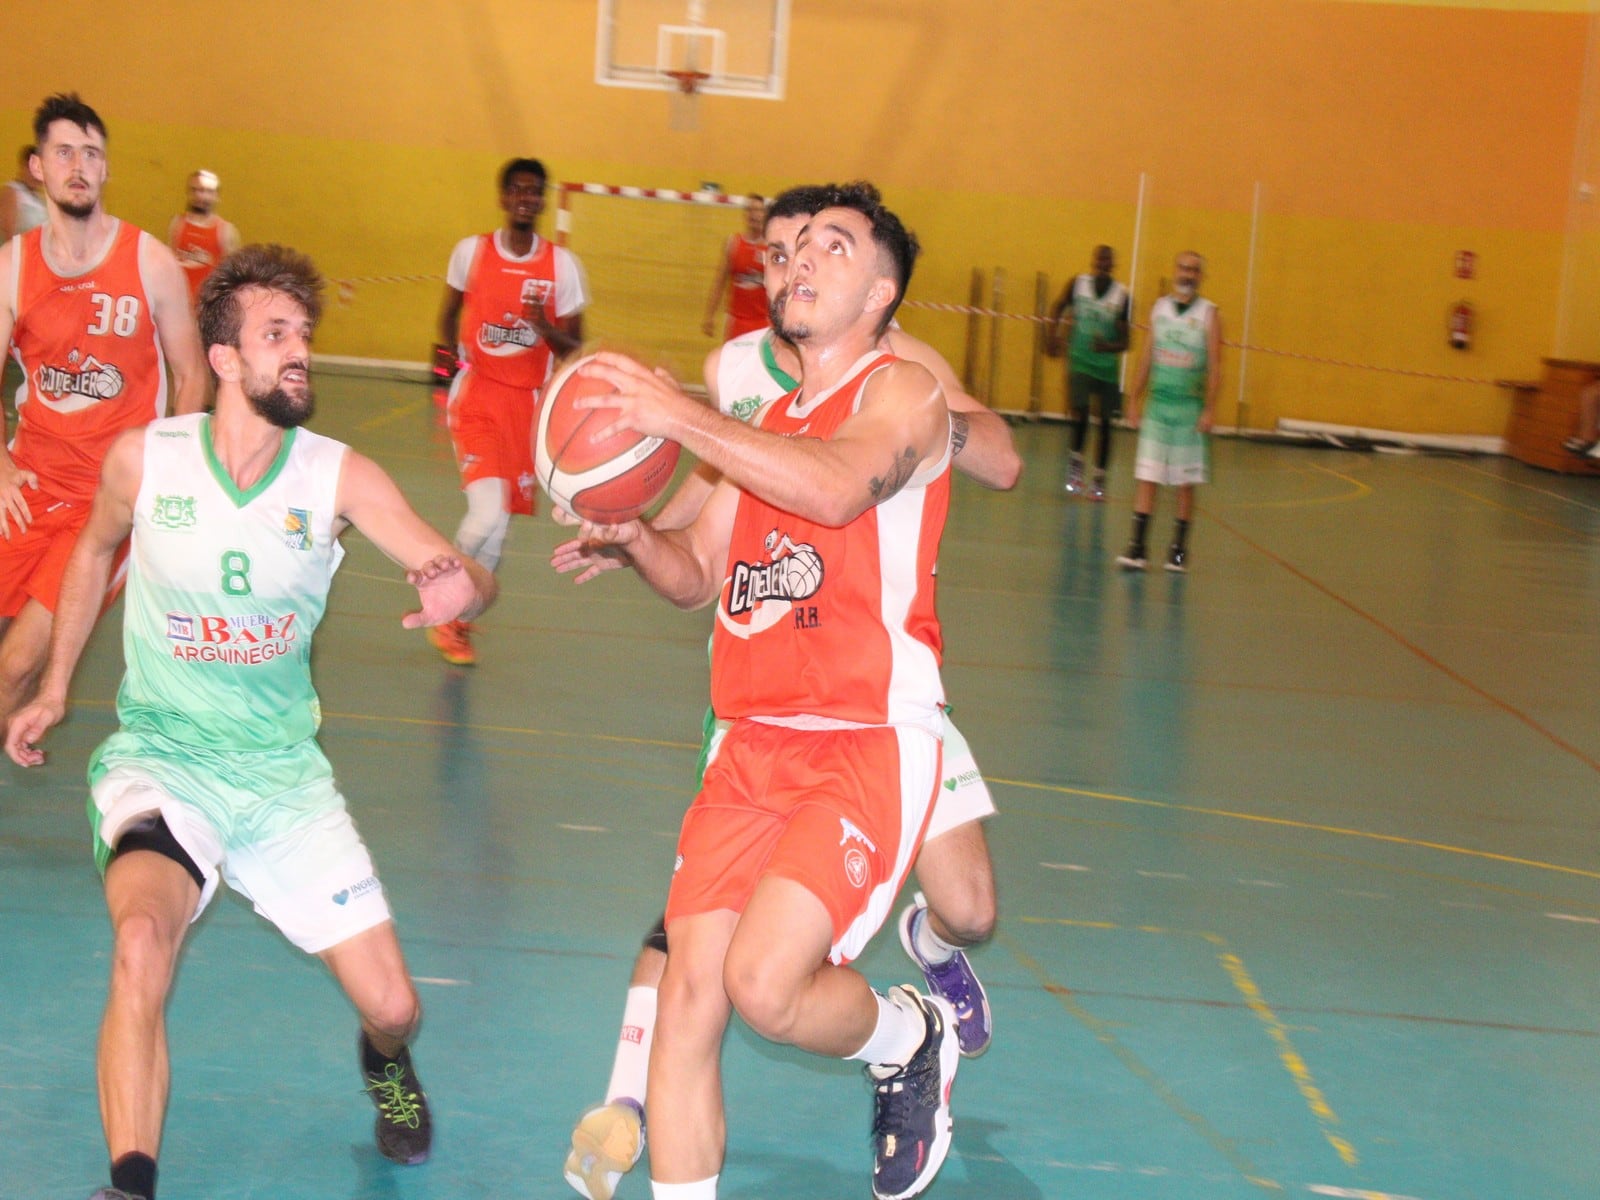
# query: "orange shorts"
840 812
491 426
33 560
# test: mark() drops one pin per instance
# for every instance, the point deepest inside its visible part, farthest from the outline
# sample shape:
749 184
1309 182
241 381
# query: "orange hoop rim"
688 81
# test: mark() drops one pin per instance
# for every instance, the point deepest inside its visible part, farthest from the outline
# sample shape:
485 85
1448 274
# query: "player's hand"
15 515
1204 422
650 401
445 589
28 727
587 558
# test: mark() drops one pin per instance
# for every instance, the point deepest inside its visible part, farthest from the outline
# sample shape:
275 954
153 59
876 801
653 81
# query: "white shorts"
963 796
314 881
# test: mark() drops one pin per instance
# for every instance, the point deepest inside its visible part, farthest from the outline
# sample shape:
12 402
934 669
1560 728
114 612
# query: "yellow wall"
1013 134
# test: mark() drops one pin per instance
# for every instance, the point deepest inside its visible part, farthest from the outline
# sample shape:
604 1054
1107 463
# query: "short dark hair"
888 233
797 202
65 106
25 154
522 166
272 268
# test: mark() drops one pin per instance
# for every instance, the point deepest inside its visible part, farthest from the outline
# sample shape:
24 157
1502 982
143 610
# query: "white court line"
1272 883
440 982
1572 917
1063 867
1161 875
584 828
1467 904
1322 1189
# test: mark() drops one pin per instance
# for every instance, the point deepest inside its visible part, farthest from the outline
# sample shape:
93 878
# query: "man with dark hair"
21 203
513 305
953 867
819 550
215 772
96 311
1090 323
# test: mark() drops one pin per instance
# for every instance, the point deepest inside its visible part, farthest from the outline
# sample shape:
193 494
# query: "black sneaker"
911 1104
1177 559
1132 559
404 1130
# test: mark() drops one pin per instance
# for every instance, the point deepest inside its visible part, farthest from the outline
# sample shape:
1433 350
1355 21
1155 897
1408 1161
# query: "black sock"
1140 520
1103 450
135 1174
1080 431
375 1063
1180 534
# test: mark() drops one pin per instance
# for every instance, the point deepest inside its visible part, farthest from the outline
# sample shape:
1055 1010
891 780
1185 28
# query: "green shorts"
1171 450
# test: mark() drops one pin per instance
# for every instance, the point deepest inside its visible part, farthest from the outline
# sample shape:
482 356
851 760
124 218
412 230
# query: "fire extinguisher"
1461 320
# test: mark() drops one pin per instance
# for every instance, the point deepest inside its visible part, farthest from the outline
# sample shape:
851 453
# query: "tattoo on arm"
886 485
960 426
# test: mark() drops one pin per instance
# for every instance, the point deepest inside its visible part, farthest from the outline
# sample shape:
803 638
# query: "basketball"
606 482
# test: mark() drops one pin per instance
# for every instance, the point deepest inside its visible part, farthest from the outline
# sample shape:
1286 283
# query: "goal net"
651 256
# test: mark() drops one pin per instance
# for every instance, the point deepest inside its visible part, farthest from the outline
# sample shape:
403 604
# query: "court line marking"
1528 487
1437 664
1101 1030
1360 491
411 408
1277 1032
1310 826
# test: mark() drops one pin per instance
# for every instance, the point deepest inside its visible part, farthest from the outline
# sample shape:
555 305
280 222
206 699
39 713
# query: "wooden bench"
1545 413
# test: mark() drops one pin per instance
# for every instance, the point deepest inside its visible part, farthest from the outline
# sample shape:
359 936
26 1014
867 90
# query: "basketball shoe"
453 640
911 1104
955 980
605 1145
403 1128
1097 489
1075 475
1132 559
1177 559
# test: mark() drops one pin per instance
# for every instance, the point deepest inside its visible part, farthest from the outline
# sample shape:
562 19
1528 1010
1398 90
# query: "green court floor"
1296 859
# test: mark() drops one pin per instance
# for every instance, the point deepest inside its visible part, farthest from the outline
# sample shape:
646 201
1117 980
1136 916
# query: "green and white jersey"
1181 350
1095 318
748 375
225 589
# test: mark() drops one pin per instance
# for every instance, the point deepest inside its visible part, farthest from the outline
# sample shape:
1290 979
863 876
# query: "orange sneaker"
451 640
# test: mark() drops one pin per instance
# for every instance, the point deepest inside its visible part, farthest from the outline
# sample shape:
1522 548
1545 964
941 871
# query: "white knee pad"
482 533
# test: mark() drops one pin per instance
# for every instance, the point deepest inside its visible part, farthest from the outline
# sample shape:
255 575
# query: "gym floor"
1295 857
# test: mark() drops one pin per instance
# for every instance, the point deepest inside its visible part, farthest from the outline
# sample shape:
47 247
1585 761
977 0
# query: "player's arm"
1208 412
980 439
83 589
450 585
1141 377
718 286
230 237
168 289
1060 327
450 316
14 512
901 427
172 231
10 202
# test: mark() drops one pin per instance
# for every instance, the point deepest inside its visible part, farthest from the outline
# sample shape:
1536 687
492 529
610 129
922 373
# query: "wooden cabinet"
1545 413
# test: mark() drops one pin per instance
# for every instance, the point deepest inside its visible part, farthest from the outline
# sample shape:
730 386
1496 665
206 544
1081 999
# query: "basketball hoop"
686 87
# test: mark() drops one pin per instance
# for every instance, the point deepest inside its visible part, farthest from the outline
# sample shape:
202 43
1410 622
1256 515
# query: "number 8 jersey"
225 589
91 361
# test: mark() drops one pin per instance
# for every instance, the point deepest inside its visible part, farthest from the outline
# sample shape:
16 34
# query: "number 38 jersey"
91 361
225 589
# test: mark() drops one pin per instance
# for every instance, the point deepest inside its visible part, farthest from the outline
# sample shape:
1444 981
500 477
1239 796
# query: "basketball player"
953 866
815 800
514 302
96 311
739 274
21 205
1182 367
215 772
1091 322
199 237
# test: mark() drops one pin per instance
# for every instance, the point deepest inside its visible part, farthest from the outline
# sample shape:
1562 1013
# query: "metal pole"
969 366
997 304
1241 408
1041 310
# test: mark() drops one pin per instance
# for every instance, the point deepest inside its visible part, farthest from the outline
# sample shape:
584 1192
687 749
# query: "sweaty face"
72 162
781 233
275 357
522 198
832 273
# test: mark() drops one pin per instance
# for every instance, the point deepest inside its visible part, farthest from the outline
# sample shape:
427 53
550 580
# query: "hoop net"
685 117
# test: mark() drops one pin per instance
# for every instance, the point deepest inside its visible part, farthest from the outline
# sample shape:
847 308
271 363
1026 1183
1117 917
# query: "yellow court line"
1290 1058
1359 491
394 414
1310 826
1139 1069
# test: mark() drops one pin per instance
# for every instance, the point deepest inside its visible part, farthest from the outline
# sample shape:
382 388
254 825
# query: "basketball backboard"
739 46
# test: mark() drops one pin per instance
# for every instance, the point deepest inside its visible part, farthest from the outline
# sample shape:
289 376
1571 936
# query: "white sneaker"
606 1143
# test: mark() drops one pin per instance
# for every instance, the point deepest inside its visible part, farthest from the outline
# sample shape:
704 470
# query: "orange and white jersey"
747 287
496 339
90 357
826 628
200 246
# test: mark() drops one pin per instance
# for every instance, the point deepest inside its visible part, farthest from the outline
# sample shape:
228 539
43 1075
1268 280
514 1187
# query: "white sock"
703 1189
929 944
898 1035
630 1068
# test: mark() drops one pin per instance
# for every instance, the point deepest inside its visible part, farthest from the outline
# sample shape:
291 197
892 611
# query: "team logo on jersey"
758 595
78 387
243 639
745 407
356 890
511 336
297 529
855 862
173 512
